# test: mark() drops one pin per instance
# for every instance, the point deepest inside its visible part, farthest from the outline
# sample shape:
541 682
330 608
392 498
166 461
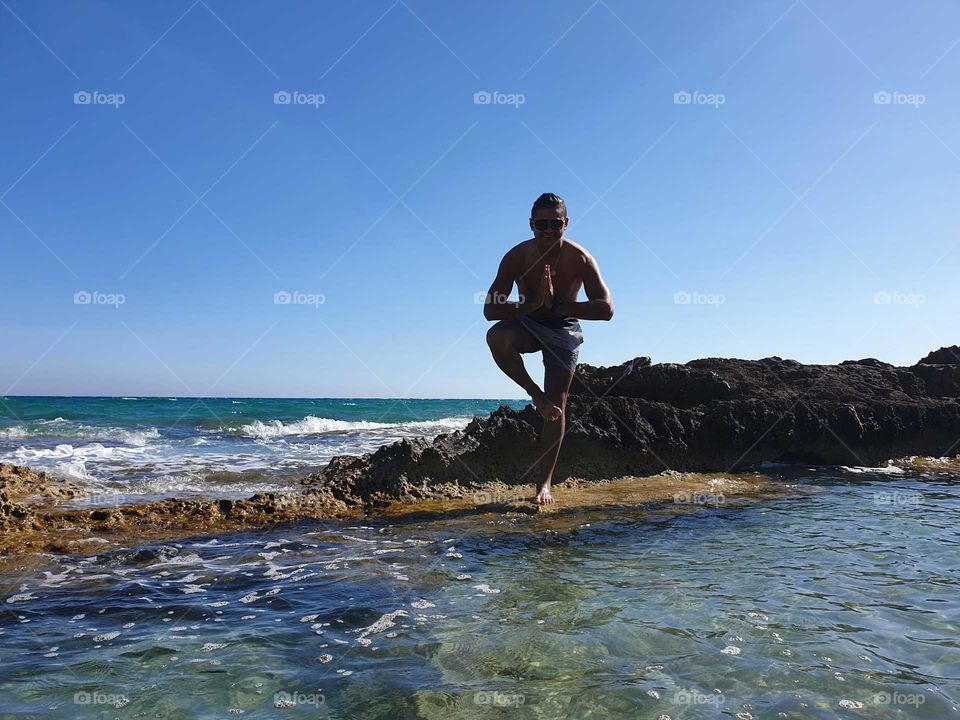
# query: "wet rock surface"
31 521
21 484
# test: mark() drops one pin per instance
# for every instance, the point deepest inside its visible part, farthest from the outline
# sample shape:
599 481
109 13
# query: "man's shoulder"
577 251
518 251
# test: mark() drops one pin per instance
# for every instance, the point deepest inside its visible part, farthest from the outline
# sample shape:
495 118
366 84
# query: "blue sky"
787 209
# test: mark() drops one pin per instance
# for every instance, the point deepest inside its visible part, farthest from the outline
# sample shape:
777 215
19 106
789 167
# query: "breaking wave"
312 425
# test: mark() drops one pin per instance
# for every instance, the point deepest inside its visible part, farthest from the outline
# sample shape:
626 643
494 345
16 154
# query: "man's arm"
497 306
599 304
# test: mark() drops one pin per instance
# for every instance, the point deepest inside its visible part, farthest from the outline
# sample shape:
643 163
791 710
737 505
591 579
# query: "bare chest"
565 271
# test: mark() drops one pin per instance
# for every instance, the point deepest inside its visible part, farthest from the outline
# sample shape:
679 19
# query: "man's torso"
566 271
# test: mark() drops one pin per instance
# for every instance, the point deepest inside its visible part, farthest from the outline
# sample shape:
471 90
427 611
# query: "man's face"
548 225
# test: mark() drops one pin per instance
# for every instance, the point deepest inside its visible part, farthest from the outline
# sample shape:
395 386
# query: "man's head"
548 219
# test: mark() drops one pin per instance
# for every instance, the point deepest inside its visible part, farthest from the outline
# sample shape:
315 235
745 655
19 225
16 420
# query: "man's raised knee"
498 337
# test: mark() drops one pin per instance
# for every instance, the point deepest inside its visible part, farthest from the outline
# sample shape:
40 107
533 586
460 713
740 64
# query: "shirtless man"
549 271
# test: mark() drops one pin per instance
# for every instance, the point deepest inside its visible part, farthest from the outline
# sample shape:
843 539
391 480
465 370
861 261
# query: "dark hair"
548 200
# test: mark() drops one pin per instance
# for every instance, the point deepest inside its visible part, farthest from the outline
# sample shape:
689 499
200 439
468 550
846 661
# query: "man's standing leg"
556 385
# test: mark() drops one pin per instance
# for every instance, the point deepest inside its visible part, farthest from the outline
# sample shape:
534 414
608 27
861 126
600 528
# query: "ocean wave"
17 432
65 450
58 428
71 461
312 425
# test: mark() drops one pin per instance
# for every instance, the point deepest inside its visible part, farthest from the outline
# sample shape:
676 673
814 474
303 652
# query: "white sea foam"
888 469
66 450
68 430
312 425
70 460
385 621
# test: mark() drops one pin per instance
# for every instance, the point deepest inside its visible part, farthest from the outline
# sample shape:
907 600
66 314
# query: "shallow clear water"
125 449
843 602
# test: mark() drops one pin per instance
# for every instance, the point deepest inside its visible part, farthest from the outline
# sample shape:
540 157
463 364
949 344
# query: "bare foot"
543 495
547 409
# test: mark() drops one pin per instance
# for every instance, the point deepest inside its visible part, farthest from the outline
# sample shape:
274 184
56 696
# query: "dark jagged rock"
940 371
713 414
943 356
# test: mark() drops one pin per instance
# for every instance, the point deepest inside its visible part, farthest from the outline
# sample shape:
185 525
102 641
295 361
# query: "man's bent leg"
507 339
556 383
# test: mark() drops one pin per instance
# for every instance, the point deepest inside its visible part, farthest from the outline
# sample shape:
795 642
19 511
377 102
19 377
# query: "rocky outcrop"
943 356
655 425
21 488
21 484
706 415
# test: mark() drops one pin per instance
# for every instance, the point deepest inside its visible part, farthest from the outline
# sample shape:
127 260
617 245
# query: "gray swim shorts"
559 338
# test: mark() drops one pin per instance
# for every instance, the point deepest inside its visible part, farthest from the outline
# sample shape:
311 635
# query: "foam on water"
312 425
66 429
71 461
888 469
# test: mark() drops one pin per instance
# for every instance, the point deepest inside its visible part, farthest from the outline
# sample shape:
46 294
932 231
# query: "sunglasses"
553 224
